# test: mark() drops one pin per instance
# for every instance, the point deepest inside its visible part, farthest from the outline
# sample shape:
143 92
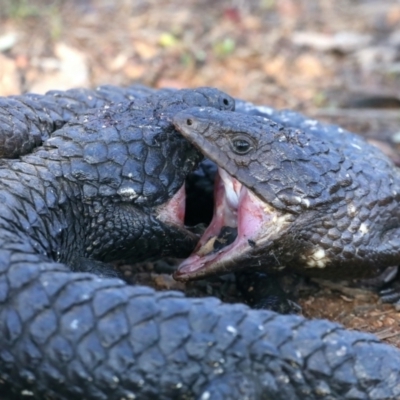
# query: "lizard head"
284 198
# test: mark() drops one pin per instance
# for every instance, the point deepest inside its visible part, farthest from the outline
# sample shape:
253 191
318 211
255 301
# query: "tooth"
207 248
232 188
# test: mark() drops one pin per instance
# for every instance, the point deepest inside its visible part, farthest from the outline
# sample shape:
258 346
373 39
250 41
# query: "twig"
356 113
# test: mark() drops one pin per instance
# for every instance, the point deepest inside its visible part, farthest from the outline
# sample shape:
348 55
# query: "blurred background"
338 61
335 60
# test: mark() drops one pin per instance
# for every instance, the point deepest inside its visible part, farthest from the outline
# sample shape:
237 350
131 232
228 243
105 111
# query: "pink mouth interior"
235 207
173 211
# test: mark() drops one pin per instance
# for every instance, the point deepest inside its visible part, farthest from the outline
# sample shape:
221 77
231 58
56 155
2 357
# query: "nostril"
189 121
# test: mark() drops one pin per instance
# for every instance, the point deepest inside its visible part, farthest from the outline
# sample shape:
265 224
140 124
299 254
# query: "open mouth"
239 222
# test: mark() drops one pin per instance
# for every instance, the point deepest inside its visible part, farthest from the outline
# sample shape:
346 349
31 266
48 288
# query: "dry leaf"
146 51
344 42
9 78
134 70
276 67
309 66
73 71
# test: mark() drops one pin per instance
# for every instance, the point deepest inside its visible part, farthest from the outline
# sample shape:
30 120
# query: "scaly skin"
29 119
318 204
69 335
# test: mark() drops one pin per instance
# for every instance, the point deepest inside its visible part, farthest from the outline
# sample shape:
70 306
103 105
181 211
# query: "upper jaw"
220 251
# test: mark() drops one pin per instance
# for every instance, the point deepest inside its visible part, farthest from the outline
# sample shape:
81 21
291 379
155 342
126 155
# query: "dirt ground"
337 61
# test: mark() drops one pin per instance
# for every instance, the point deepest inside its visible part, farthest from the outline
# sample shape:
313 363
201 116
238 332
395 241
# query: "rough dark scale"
26 120
337 196
70 335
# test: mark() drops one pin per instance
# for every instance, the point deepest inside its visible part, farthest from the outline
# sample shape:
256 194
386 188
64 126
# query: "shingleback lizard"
68 335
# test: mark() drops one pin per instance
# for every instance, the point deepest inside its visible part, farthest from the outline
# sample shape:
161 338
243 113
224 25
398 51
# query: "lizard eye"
241 145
